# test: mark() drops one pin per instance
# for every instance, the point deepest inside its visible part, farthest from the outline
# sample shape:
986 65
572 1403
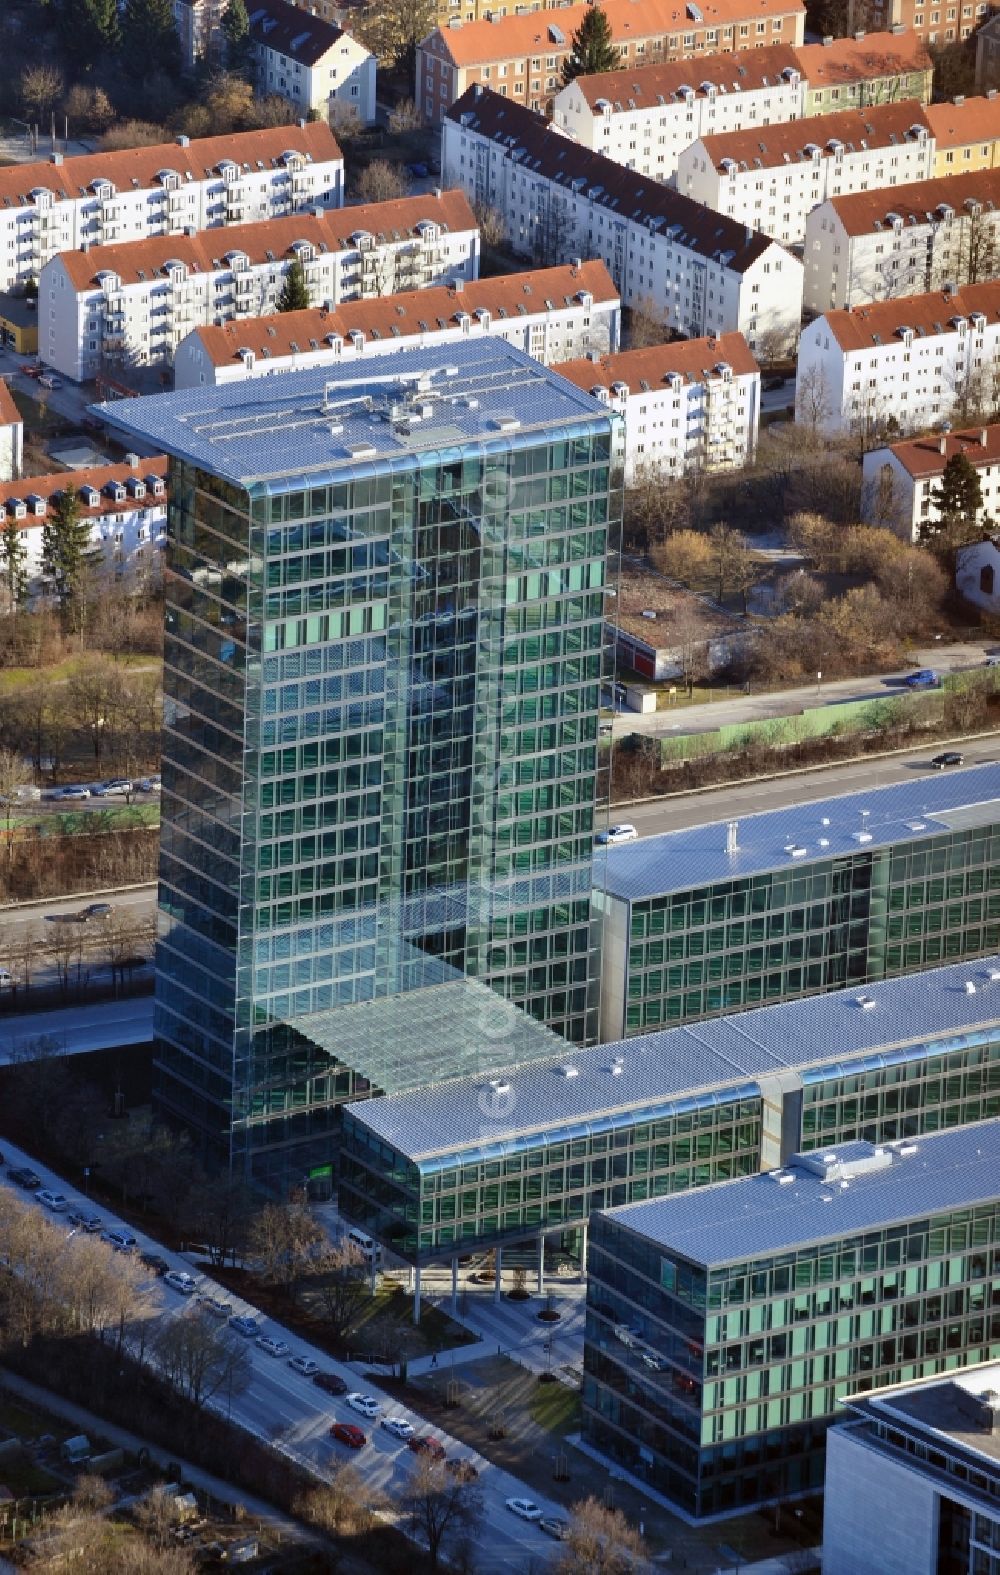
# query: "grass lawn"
26 1480
556 1408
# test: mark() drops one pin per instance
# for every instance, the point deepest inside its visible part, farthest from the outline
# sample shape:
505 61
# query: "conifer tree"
14 556
66 556
149 39
238 43
959 504
593 48
294 295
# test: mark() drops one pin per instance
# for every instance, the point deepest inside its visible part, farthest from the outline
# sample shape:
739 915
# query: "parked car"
330 1383
555 1526
524 1507
116 785
48 381
178 1280
26 1178
272 1347
950 757
120 1240
924 678
398 1426
56 1201
366 1404
245 1325
615 834
74 792
347 1433
6 979
426 1446
153 1261
217 1306
463 1470
95 910
147 785
84 1220
304 1365
418 171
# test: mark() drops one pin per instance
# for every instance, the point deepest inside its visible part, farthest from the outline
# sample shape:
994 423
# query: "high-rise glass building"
384 642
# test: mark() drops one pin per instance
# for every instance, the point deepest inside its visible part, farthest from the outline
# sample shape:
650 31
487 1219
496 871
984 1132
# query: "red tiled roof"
9 413
330 231
879 322
100 476
860 211
413 312
882 126
474 43
642 87
975 120
139 167
928 456
695 359
862 59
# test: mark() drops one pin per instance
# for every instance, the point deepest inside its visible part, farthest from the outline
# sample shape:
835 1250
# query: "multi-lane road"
289 1412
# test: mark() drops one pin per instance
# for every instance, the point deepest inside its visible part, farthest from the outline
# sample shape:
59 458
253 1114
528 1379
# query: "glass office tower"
384 636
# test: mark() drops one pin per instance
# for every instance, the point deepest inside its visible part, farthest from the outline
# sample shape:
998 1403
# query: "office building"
690 405
726 1326
773 178
521 56
318 67
131 305
864 69
903 365
795 901
11 435
553 314
913 1477
691 268
382 684
876 245
529 1151
901 480
966 134
123 506
104 199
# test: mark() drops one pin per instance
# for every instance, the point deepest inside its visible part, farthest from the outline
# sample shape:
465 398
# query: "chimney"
302 125
85 246
943 444
458 286
437 193
477 90
827 40
595 356
897 28
183 141
991 92
984 438
958 99
55 158
859 35
576 262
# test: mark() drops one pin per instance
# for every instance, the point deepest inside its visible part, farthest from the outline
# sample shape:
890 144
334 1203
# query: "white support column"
454 1286
496 1276
583 1251
541 1264
416 1296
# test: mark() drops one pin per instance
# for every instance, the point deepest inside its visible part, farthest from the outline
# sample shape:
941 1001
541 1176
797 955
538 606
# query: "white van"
365 1245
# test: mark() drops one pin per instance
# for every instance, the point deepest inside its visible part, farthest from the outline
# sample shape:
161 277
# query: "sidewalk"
87 1422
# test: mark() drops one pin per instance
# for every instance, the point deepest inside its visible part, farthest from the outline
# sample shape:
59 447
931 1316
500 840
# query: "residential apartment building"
977 573
124 507
913 1476
905 476
318 67
133 304
869 68
102 199
966 134
644 117
727 1325
690 405
11 436
876 245
937 22
988 55
773 179
528 1152
551 313
521 57
199 29
698 271
791 903
914 362
412 704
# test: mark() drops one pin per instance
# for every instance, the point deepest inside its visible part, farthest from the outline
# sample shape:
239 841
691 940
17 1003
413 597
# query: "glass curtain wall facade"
849 920
380 758
717 1385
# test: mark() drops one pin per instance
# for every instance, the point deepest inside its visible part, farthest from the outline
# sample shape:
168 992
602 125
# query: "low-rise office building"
645 116
910 363
124 506
966 134
521 56
690 405
552 313
773 179
11 436
726 1326
697 270
900 480
864 69
877 245
133 304
318 67
797 901
519 1152
912 1482
103 199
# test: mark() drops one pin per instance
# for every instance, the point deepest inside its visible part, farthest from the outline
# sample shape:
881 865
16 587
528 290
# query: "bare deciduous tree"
380 181
341 1279
200 1359
440 1508
599 1541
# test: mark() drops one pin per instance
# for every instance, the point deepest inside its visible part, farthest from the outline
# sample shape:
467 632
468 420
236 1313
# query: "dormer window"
36 504
103 190
116 491
228 170
42 199
236 261
90 496
169 180
157 486
137 487
303 250
18 508
427 230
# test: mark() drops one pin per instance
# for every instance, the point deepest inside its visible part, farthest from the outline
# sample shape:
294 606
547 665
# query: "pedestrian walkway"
513 1328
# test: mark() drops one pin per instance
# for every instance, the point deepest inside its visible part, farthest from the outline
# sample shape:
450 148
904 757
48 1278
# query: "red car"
348 1434
426 1446
35 369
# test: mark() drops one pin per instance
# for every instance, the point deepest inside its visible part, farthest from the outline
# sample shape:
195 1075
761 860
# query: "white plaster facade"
977 573
697 271
105 199
132 305
11 436
312 63
910 473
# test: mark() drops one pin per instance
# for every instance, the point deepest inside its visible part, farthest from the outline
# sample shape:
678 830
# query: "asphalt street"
286 1409
139 901
73 1030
